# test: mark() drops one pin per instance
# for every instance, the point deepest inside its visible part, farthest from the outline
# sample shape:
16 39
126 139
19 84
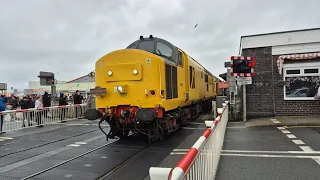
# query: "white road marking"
74 145
88 165
275 121
6 137
275 152
259 155
306 148
298 142
80 143
267 155
68 175
281 128
291 136
104 157
317 160
285 131
2 139
262 152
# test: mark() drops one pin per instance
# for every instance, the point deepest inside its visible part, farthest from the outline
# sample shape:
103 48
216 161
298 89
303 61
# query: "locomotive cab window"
146 45
163 50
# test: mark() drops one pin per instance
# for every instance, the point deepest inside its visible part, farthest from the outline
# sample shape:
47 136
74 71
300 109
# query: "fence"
201 161
22 118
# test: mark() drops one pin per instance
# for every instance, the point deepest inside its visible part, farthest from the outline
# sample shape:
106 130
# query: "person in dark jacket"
63 102
25 104
3 101
46 102
77 99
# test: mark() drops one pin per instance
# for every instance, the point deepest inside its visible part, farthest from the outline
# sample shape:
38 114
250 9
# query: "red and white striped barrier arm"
177 173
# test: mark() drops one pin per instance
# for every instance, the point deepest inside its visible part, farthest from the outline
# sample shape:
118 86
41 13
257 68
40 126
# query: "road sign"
223 85
244 81
3 86
242 66
45 74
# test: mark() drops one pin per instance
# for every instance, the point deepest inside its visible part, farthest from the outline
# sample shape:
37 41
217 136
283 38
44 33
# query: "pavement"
78 150
270 152
284 121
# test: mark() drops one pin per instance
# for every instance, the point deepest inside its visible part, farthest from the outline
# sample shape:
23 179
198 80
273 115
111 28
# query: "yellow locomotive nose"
131 77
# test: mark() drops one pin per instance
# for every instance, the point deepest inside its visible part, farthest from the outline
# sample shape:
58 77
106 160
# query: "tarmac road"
266 153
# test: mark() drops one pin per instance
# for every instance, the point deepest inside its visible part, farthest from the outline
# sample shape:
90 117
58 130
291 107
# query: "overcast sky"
68 36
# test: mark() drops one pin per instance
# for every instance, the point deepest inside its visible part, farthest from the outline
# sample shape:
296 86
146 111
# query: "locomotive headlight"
135 71
120 89
109 73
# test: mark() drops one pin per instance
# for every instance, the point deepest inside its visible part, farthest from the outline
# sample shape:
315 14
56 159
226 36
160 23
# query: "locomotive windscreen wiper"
159 52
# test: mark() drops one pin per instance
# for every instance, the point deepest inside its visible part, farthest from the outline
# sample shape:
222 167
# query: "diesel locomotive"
152 87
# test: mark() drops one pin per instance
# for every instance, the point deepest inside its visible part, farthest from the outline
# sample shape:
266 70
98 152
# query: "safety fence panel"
23 118
202 159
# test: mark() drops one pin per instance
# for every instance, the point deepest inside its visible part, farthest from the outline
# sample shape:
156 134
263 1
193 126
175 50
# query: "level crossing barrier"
202 159
24 118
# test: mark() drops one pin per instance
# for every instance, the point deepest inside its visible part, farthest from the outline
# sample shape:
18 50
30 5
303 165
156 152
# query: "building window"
301 81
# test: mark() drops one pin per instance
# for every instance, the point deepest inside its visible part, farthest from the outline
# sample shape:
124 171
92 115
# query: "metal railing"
24 118
202 159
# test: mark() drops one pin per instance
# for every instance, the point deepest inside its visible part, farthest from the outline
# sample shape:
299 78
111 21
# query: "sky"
67 37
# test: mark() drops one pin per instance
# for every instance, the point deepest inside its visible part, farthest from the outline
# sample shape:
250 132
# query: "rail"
202 159
24 118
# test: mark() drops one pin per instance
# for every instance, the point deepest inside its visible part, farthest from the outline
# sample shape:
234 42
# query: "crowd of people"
39 101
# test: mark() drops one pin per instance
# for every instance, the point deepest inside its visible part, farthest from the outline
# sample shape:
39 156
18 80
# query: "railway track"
113 170
45 144
66 161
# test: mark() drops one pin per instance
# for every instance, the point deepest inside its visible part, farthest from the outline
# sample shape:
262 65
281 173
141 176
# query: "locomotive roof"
151 38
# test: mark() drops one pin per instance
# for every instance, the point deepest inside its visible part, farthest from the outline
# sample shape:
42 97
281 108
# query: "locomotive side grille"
171 82
168 82
174 82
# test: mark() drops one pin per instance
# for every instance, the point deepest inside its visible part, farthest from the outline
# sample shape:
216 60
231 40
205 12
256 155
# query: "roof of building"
291 37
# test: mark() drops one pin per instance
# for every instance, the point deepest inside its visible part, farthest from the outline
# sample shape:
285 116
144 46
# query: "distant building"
287 72
83 83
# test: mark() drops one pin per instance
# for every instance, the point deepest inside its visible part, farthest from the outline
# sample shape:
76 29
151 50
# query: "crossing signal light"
242 66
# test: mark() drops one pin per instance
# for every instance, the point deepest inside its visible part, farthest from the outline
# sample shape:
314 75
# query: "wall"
265 96
260 99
